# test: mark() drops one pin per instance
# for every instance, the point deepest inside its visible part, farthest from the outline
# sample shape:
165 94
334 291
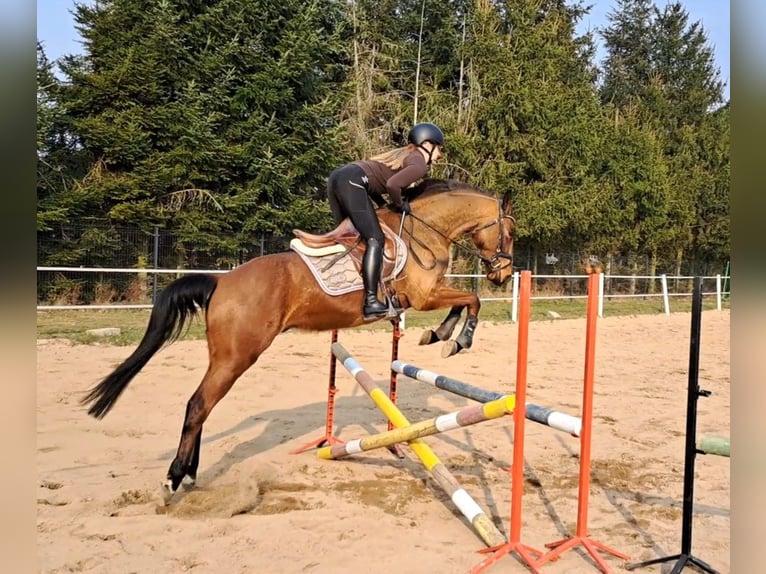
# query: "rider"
351 188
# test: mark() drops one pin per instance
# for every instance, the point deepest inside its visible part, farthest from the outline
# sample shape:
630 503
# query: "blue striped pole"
468 507
545 416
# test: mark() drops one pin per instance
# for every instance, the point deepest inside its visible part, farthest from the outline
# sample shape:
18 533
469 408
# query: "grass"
74 324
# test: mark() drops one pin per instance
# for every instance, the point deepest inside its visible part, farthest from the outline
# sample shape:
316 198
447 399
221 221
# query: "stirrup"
391 312
369 315
394 310
387 312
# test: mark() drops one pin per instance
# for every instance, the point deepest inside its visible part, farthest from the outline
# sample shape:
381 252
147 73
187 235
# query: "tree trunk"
652 272
634 269
608 275
460 82
142 280
679 263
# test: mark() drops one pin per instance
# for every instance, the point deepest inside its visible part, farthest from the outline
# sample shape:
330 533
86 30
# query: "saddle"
335 257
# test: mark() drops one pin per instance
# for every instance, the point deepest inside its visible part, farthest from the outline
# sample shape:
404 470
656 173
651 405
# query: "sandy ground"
258 508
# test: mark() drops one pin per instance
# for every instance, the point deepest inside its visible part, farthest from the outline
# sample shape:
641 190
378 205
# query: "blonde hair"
394 158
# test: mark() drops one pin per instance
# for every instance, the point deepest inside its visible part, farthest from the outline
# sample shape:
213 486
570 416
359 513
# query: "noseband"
500 260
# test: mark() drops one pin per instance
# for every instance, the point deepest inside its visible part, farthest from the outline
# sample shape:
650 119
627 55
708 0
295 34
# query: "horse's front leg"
456 299
464 340
445 329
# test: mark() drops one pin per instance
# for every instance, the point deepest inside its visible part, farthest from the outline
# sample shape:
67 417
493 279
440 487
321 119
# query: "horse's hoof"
450 348
167 492
428 338
188 482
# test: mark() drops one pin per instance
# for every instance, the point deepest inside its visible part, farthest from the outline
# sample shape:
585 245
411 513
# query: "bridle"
498 261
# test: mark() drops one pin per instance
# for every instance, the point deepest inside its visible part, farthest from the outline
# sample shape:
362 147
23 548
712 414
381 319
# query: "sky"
55 27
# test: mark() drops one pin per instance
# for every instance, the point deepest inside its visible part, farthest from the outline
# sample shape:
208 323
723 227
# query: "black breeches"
347 194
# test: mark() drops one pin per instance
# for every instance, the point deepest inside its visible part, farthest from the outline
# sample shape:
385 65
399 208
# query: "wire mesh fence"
121 265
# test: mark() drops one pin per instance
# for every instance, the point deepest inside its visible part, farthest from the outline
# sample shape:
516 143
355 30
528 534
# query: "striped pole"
470 509
554 419
462 418
548 417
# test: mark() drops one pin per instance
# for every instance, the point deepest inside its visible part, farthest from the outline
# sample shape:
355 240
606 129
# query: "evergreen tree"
50 179
712 230
660 73
535 125
220 120
685 82
628 41
61 162
210 117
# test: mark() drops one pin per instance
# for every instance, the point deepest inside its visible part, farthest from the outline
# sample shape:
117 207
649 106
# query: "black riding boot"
371 265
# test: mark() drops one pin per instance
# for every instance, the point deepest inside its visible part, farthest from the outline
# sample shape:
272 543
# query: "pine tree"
660 74
628 40
51 180
209 117
685 81
61 162
712 229
535 123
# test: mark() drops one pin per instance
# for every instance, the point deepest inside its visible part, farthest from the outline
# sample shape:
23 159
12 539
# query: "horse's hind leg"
219 378
443 331
191 476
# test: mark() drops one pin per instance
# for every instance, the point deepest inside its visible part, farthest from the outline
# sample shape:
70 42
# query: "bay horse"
246 308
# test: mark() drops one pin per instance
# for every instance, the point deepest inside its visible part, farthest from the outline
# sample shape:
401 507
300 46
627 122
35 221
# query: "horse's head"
452 208
494 240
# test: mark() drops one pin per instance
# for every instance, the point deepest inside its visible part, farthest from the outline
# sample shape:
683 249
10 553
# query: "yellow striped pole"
462 418
468 507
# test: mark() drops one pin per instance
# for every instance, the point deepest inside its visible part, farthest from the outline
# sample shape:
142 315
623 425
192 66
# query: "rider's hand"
404 207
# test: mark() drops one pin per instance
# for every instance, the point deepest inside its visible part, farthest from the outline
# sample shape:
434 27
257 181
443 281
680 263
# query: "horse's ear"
507 202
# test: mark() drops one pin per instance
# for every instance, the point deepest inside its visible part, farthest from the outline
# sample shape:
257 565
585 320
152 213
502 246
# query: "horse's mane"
432 186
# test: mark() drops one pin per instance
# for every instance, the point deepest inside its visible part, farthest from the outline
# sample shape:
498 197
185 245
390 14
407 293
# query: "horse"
247 307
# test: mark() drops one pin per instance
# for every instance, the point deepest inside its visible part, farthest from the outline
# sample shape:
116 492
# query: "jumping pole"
685 557
717 445
462 418
467 506
542 415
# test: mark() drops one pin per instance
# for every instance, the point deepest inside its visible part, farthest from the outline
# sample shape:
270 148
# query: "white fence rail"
719 293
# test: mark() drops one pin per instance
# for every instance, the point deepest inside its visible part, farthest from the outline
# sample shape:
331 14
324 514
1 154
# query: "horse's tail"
175 306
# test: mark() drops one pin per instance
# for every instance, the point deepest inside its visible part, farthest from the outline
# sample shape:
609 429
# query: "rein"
494 263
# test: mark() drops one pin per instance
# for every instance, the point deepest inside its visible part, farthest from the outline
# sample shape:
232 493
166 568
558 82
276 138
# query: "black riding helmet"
421 133
425 132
